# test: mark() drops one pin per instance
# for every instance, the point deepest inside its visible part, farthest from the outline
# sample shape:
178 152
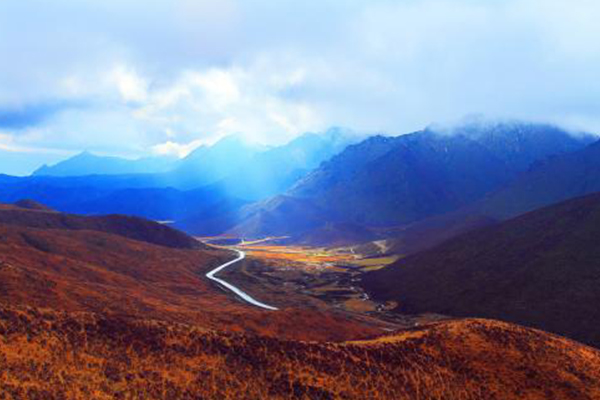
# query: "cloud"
179 150
187 71
131 86
30 115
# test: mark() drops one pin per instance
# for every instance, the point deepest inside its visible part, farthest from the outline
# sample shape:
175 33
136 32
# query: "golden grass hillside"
51 355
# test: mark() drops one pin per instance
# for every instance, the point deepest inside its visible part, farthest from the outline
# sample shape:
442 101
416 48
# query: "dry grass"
49 355
298 254
103 273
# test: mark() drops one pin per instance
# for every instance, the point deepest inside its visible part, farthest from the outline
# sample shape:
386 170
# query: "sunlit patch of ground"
372 264
290 275
315 278
307 258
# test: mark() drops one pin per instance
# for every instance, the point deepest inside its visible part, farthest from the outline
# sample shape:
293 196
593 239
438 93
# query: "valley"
317 278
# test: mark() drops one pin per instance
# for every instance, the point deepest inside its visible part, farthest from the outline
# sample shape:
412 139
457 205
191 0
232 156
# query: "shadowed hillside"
80 356
34 215
540 269
556 179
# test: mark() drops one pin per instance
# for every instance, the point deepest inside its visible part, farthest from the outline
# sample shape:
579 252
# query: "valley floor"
315 278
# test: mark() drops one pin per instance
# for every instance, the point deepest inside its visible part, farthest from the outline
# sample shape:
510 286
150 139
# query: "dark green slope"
541 269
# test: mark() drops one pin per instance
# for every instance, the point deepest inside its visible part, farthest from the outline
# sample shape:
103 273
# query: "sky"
137 78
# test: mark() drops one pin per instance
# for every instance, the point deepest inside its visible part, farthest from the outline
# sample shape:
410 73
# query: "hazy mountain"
540 269
87 163
398 180
520 144
204 165
209 164
277 169
245 170
165 204
547 182
202 193
422 174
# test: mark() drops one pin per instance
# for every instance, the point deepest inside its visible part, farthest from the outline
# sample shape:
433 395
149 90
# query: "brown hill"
540 269
53 355
32 205
35 215
82 270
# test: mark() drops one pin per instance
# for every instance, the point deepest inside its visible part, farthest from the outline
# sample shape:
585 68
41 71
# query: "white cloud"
184 71
170 148
130 85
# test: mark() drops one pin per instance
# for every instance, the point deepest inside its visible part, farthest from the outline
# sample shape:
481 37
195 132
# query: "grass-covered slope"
90 271
81 356
541 269
123 225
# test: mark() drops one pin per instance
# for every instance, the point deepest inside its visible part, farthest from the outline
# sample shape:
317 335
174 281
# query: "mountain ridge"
539 269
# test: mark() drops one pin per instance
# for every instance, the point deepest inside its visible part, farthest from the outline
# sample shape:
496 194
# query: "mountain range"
391 181
214 180
87 163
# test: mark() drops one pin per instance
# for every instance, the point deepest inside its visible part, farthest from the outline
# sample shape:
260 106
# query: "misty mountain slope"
276 170
553 180
223 176
388 181
209 164
540 269
87 163
296 212
520 144
400 180
279 216
269 173
205 165
154 203
423 175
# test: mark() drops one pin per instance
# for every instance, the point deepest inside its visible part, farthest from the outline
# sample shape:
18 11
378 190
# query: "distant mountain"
202 193
200 211
87 163
420 175
399 180
549 181
209 164
279 216
243 169
205 165
521 144
268 173
276 170
540 269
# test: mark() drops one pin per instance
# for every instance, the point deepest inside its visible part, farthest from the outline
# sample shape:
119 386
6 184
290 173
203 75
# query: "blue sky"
136 78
